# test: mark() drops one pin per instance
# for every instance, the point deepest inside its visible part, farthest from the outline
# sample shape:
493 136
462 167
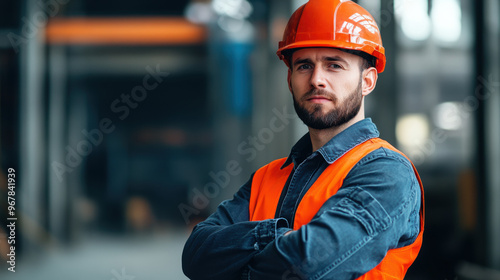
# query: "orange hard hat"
339 24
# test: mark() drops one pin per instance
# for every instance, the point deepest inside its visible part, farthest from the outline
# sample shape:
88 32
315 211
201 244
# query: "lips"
318 99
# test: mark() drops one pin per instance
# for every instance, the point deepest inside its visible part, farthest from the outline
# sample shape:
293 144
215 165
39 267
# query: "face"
328 86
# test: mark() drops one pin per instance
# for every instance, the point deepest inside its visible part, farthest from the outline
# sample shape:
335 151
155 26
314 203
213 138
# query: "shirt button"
256 246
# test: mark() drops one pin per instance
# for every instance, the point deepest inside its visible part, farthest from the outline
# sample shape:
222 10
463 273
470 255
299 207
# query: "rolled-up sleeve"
377 209
221 246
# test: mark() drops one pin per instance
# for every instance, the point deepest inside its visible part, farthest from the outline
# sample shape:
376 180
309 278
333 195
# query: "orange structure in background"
132 31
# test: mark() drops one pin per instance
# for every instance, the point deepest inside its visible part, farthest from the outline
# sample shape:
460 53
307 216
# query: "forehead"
316 54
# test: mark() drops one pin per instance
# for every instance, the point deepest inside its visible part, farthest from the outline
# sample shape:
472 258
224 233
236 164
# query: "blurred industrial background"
127 122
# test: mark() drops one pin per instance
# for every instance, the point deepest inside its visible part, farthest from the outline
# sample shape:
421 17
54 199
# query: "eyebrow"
325 58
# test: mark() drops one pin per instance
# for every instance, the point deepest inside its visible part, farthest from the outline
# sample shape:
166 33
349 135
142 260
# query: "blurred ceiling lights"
448 116
230 15
446 18
414 18
444 23
237 9
201 13
412 130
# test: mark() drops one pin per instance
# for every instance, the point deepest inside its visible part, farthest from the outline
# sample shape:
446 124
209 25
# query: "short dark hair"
368 60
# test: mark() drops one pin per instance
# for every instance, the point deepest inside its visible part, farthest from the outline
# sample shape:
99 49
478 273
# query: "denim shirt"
375 210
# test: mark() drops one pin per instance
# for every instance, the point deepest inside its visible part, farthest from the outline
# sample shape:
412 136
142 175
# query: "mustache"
319 92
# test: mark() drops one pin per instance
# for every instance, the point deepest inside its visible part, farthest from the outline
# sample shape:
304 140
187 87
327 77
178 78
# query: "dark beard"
337 116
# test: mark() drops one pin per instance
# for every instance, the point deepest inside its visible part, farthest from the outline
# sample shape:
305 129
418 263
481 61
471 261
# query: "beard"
339 115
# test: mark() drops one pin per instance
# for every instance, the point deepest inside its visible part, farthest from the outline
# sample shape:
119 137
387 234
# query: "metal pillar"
32 128
491 83
385 94
57 182
230 90
487 92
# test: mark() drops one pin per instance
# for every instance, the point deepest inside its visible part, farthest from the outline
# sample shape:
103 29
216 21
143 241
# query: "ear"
289 79
369 77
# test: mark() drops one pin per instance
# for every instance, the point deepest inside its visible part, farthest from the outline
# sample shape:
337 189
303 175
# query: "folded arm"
221 246
353 230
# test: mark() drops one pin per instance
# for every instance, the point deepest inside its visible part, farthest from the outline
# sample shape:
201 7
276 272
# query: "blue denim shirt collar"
337 146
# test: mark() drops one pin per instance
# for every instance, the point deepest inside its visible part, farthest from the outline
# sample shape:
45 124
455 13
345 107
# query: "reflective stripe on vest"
268 183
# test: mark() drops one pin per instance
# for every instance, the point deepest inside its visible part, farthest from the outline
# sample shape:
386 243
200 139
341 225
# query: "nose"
318 78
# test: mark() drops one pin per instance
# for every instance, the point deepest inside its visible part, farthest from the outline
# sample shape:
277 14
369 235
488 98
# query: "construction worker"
344 204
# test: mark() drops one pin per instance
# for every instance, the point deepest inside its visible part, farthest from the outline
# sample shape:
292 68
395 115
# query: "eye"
304 66
336 66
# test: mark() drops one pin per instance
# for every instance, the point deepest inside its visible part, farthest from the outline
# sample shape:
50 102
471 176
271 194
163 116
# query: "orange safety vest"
268 183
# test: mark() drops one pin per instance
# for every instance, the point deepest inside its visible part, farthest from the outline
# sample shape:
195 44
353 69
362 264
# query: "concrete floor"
107 258
144 257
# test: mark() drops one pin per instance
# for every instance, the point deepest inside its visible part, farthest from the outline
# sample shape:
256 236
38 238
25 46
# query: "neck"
319 137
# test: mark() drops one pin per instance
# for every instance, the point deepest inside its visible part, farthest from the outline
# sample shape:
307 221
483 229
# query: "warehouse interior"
127 122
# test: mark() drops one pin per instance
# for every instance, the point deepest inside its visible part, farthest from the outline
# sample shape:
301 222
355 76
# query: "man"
344 204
